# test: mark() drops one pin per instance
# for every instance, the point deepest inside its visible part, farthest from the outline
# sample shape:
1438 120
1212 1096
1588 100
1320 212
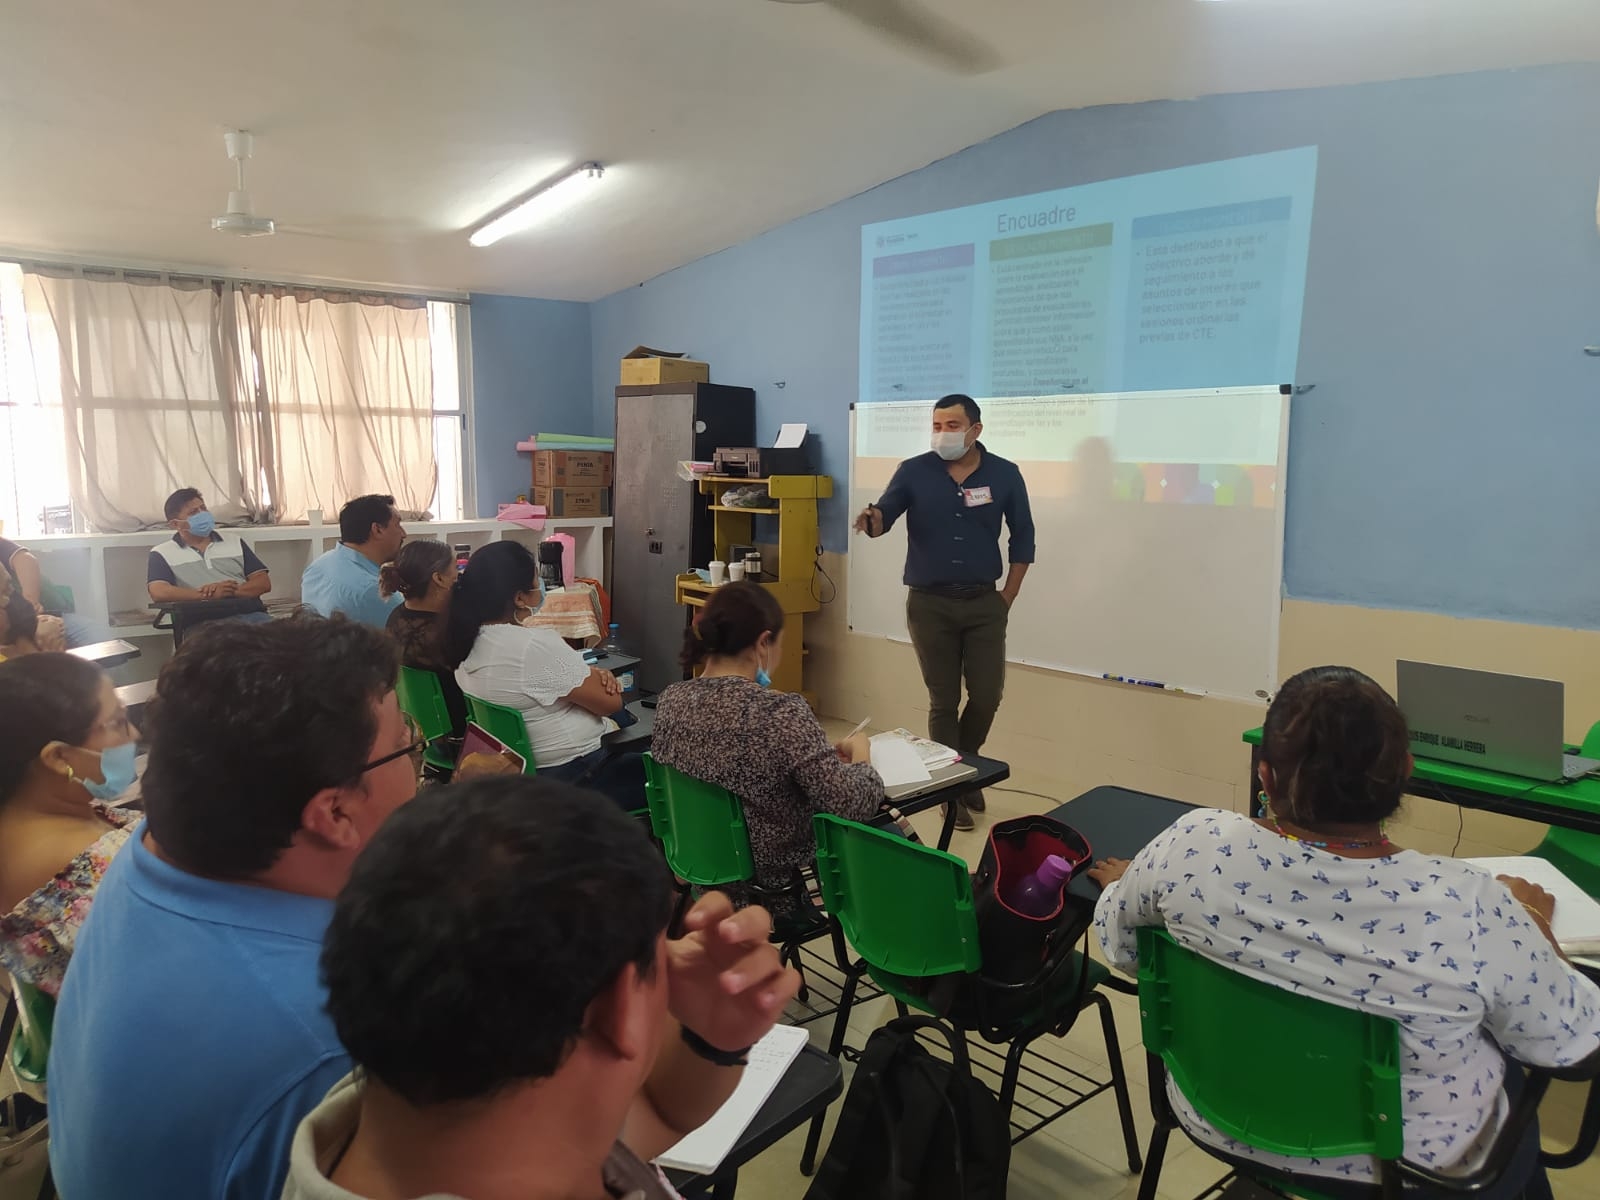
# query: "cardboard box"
642 365
574 501
573 468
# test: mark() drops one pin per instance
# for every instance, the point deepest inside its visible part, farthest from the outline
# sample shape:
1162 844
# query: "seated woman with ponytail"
423 574
1314 896
563 700
65 744
765 747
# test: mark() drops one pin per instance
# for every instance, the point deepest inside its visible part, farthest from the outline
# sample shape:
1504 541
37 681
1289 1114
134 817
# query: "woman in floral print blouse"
64 739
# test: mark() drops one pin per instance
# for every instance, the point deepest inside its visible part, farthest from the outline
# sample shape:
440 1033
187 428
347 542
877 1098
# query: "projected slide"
1191 278
1159 529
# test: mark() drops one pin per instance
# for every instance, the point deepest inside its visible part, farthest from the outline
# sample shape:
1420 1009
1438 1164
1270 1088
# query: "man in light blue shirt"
345 579
190 1037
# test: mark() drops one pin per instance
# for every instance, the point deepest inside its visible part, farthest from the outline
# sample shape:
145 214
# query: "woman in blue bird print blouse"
1314 896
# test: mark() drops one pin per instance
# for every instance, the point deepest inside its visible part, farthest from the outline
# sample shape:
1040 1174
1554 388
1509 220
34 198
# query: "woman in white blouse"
1313 895
563 700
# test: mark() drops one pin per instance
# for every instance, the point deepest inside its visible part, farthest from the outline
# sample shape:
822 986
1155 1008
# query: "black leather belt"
957 591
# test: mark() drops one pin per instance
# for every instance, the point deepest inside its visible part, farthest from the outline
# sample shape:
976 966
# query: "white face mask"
950 445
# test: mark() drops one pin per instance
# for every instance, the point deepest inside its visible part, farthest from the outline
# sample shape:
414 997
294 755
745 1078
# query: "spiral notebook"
703 1150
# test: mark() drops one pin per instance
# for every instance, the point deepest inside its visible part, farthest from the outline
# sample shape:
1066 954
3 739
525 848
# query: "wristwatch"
722 1058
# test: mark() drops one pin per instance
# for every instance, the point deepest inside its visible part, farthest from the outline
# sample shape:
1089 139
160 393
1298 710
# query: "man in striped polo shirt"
204 563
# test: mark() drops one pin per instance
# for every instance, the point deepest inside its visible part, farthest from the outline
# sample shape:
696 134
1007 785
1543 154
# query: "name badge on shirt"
977 496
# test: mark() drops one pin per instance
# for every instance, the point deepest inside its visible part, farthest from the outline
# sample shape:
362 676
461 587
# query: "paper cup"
736 572
719 572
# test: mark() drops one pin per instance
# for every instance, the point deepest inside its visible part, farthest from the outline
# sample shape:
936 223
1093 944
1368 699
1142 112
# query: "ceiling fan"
240 218
919 31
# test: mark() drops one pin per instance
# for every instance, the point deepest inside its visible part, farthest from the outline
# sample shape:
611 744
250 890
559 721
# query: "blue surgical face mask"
762 678
202 523
116 764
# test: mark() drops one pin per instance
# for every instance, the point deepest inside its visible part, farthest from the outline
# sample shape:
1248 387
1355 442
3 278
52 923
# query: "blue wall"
531 370
1447 458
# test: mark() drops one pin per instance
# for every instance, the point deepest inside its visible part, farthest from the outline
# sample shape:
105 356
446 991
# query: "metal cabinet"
661 525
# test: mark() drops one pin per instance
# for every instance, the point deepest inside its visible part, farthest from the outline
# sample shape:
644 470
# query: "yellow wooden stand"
794 503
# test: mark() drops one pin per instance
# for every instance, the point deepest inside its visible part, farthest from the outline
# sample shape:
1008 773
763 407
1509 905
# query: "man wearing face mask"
203 563
954 498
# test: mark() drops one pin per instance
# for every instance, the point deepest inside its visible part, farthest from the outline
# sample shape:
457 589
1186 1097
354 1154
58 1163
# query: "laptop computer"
1508 723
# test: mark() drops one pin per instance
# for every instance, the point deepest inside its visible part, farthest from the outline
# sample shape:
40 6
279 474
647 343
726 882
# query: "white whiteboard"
1159 529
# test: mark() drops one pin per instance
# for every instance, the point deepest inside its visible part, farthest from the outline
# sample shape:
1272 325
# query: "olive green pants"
956 641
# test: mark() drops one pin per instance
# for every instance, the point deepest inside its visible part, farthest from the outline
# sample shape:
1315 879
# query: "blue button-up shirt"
346 581
190 1038
953 529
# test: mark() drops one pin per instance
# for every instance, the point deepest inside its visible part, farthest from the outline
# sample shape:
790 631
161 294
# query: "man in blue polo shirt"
345 579
953 499
190 1037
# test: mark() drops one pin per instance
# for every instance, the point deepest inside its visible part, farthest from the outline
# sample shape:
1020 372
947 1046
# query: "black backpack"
915 1127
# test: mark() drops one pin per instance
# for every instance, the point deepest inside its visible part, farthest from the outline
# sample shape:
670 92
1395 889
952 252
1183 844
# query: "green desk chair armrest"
506 724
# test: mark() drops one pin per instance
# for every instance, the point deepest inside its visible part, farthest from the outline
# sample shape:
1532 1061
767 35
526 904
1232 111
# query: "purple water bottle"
1039 894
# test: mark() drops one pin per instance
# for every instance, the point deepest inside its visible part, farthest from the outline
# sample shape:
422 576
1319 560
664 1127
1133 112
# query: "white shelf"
291 533
107 571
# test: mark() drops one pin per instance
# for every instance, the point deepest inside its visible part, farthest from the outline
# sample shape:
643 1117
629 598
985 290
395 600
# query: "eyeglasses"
416 744
118 724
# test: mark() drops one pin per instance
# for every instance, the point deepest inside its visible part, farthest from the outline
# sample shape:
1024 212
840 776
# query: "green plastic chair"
422 699
702 832
700 826
30 1046
25 1031
505 724
908 911
1329 1086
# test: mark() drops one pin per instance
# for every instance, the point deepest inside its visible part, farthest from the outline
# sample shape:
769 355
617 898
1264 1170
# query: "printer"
758 462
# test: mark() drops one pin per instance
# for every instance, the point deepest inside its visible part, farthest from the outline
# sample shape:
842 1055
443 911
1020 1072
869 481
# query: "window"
450 498
116 387
34 497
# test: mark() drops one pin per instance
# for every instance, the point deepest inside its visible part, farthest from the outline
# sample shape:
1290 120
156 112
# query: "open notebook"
703 1150
902 757
1577 918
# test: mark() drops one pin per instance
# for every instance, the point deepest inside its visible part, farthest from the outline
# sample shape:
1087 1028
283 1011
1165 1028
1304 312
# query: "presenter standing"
953 499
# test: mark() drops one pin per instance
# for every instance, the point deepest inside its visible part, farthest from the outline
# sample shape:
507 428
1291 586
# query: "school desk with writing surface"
969 775
811 1083
1574 805
106 655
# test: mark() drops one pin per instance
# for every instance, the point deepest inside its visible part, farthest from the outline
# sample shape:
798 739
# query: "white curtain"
270 400
345 400
33 460
149 397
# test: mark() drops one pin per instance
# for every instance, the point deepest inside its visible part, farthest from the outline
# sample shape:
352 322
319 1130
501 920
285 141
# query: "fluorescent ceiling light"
543 201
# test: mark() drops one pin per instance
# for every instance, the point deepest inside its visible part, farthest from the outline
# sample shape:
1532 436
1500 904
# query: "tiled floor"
1081 1154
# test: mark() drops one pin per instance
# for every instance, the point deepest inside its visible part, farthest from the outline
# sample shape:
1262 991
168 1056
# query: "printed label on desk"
976 496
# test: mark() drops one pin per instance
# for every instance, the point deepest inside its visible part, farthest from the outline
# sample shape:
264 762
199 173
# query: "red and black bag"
1015 944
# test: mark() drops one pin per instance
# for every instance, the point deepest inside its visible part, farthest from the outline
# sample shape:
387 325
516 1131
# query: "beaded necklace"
1381 840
